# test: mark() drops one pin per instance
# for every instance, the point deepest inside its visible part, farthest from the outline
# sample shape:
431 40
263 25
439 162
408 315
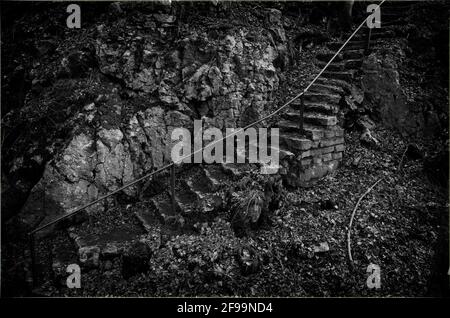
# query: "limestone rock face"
113 163
224 77
238 84
154 80
65 185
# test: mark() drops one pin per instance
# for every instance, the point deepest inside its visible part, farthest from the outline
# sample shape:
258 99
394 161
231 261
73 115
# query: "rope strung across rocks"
209 145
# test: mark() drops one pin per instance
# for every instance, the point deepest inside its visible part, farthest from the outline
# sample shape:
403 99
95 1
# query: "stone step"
216 176
194 194
295 143
383 35
232 169
237 170
328 55
341 66
293 120
149 217
374 33
319 98
162 205
335 82
284 153
390 23
387 24
353 64
159 217
363 36
275 167
205 190
207 200
186 199
354 54
292 116
250 161
344 75
351 45
110 243
323 108
199 183
313 132
365 29
160 214
288 125
319 119
322 88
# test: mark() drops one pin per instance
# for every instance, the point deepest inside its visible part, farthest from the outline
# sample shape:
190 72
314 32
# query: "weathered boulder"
67 183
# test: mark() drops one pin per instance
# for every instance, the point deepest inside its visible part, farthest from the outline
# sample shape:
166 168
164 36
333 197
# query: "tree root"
349 249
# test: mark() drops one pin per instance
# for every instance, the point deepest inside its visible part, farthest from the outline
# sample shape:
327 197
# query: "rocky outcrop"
158 81
94 163
224 76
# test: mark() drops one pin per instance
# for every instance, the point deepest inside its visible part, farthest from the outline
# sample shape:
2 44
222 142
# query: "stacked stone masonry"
317 149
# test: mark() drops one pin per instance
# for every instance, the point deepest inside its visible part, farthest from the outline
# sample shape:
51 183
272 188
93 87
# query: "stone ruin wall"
315 158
